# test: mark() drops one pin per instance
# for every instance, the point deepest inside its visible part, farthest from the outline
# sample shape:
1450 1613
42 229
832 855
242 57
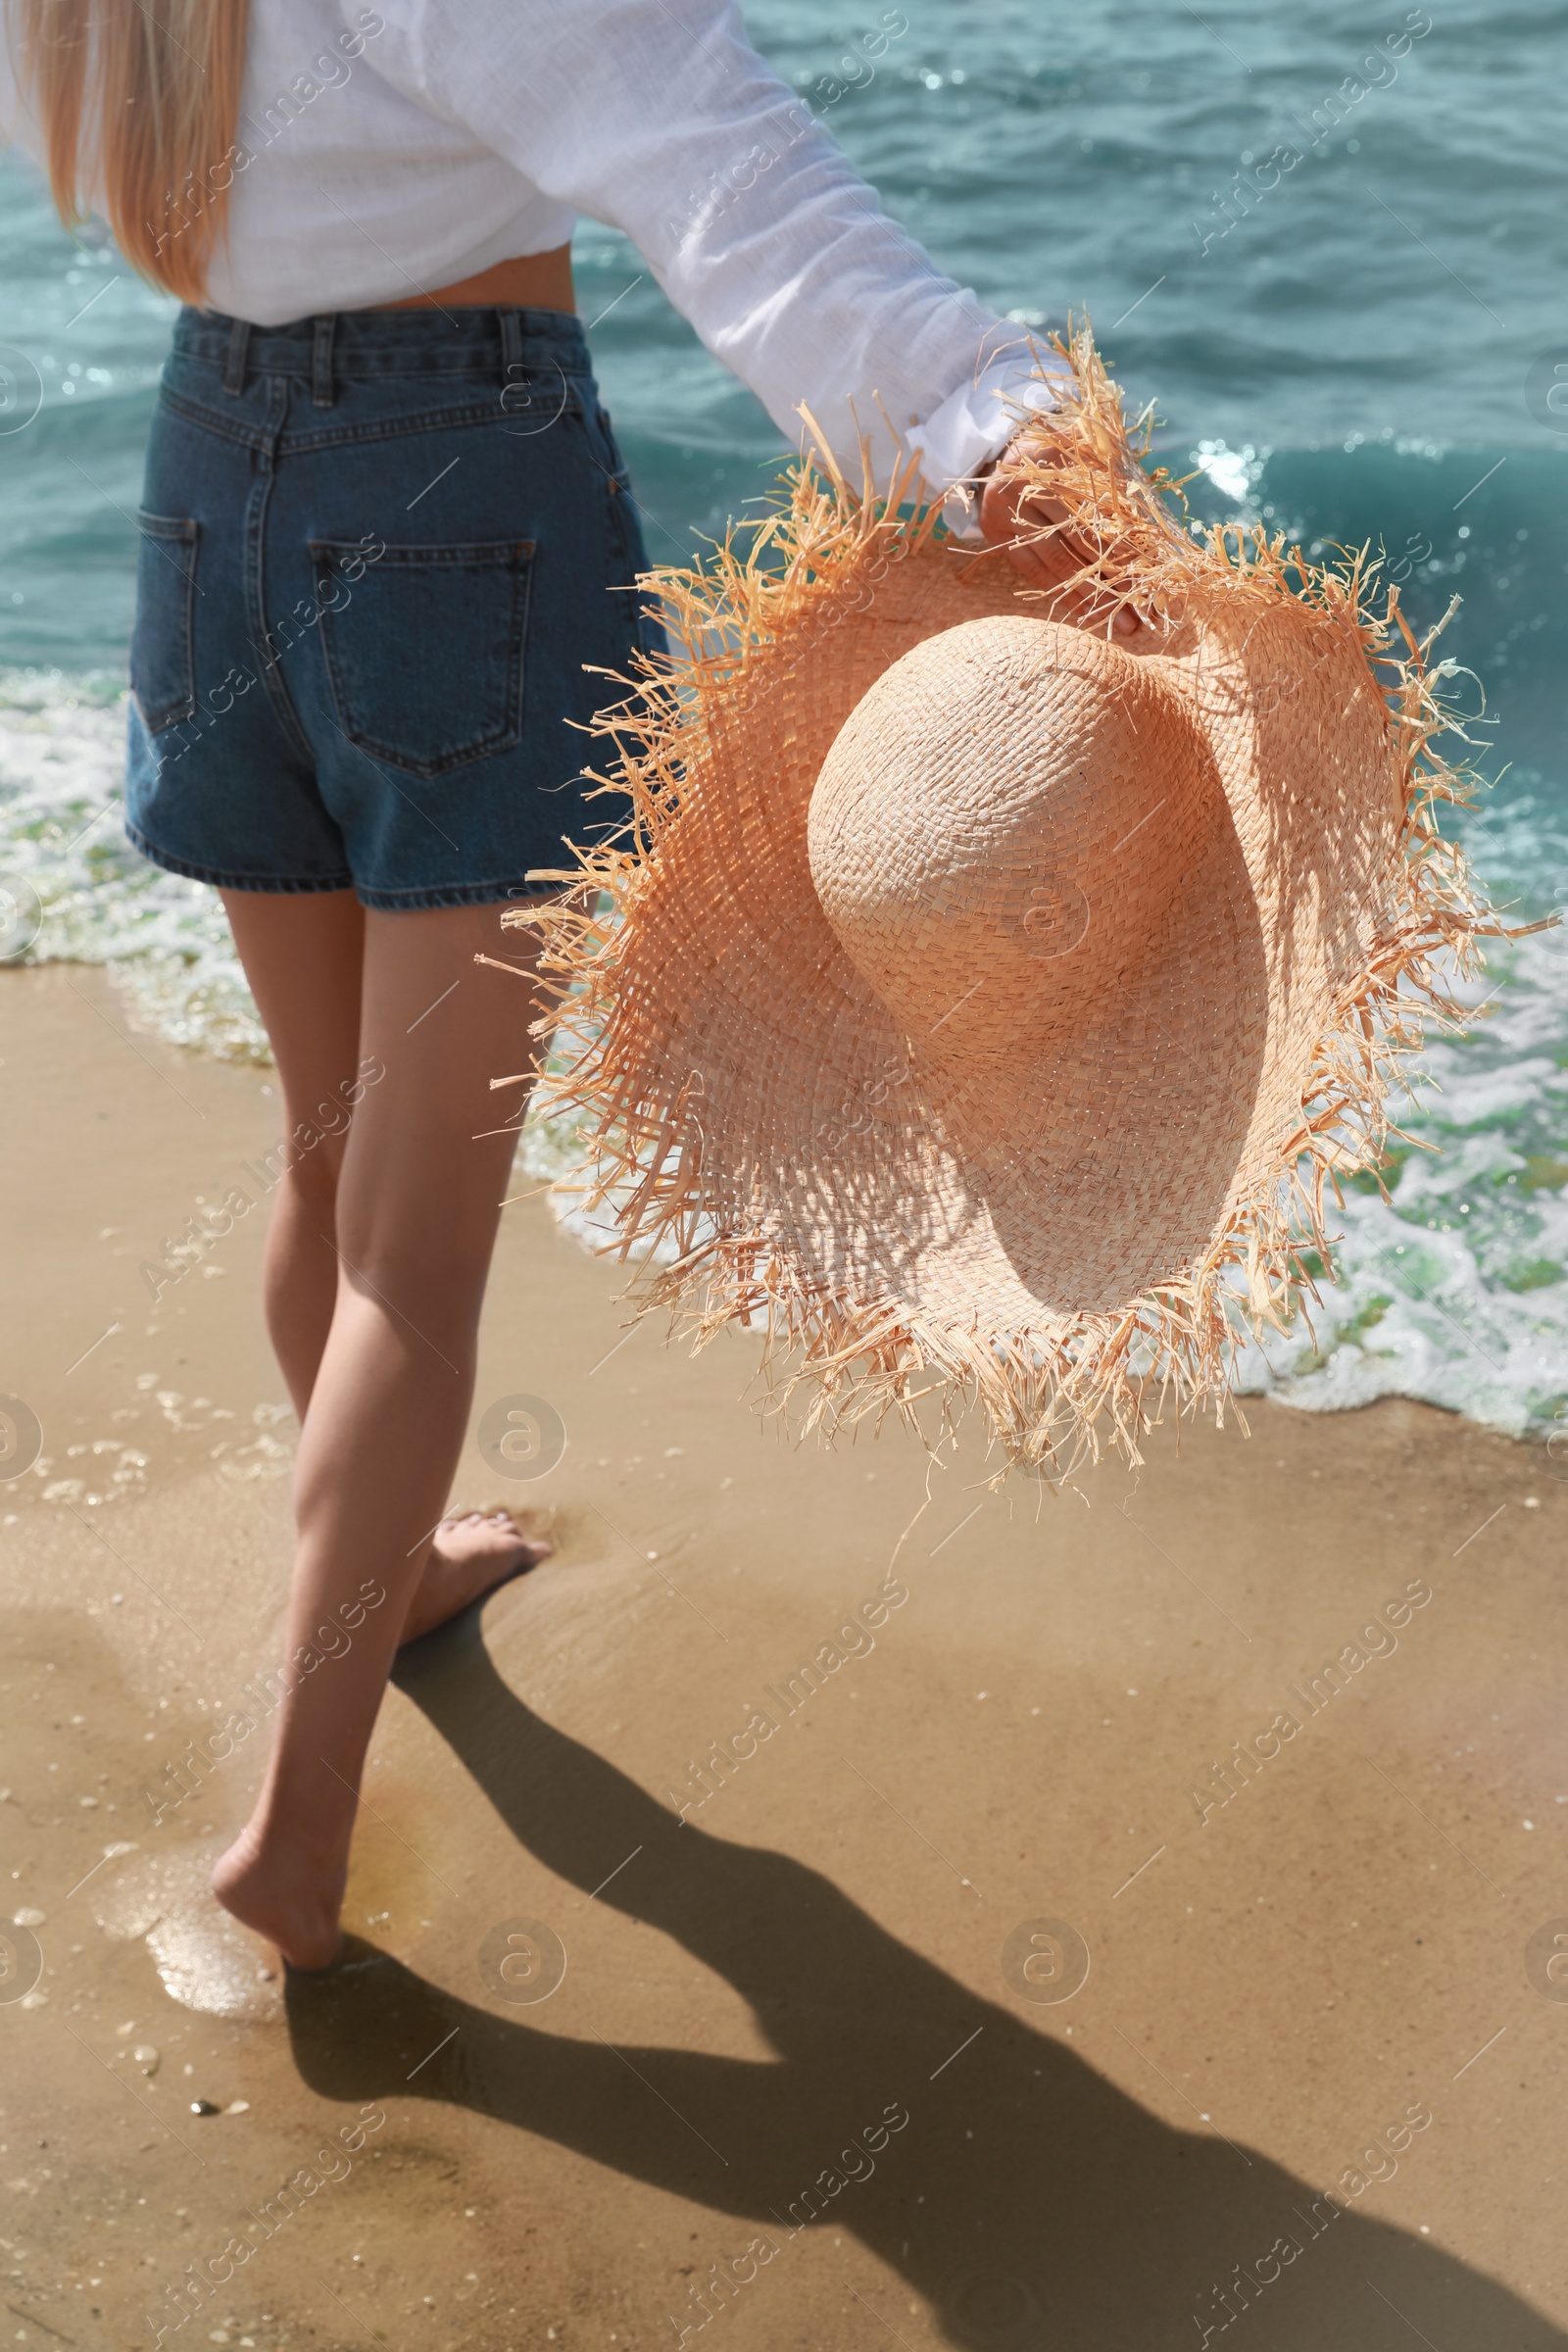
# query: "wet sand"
1020 1981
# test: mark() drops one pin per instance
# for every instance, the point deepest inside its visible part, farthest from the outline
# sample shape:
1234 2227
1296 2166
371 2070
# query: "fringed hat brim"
751 1119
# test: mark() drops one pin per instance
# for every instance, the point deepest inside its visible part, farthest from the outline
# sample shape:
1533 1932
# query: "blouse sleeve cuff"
961 437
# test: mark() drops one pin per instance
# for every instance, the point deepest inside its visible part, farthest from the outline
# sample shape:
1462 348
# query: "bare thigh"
303 953
389 1016
424 1167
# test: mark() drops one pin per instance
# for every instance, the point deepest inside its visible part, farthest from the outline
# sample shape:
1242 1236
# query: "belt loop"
322 360
512 370
239 346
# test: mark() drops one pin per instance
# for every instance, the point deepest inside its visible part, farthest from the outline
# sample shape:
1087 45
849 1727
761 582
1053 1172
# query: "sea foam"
1454 1288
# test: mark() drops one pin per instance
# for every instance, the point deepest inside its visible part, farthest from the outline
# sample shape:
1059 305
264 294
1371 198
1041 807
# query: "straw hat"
982 1002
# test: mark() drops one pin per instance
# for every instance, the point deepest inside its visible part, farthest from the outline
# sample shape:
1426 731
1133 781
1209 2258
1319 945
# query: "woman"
386 527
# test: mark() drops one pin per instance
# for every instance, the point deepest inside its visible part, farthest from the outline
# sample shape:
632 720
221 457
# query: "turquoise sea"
1328 242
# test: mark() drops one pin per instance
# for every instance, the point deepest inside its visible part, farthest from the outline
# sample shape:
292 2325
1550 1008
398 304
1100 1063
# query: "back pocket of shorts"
424 648
162 675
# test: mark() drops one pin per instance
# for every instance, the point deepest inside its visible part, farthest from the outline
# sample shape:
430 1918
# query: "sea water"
1325 241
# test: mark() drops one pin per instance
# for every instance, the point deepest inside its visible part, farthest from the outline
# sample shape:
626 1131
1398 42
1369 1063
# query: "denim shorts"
380 553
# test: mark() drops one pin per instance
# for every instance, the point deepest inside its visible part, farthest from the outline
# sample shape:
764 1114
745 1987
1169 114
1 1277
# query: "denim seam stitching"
248 436
474 552
300 444
426 421
461 894
185 531
223 877
256 505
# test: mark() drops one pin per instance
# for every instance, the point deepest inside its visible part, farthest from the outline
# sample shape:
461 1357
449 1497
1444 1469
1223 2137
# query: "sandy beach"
830 1904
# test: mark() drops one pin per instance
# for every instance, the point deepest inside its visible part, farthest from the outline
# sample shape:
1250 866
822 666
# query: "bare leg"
302 956
410 1225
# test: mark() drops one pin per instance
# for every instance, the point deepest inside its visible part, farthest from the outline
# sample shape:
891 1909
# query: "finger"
1060 581
1075 553
1055 559
1053 567
1027 561
1076 604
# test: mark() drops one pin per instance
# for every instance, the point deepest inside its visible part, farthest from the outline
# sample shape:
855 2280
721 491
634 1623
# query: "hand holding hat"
1016 514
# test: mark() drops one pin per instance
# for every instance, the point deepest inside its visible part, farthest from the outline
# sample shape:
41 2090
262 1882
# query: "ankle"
282 1823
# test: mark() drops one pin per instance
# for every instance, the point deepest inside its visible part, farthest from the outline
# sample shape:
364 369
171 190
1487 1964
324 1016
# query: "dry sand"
817 1995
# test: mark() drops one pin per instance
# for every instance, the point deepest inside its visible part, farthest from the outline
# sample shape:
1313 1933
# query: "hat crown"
998 813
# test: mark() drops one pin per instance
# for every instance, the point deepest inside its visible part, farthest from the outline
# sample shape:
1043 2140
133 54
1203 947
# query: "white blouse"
392 149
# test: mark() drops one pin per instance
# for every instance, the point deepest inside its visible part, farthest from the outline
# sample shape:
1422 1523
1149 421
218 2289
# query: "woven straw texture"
982 1004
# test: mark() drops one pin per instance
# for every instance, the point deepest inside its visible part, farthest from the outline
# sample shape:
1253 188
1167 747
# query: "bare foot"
289 1887
468 1558
291 1898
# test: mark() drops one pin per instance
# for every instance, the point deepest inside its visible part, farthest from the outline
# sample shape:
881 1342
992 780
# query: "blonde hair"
139 104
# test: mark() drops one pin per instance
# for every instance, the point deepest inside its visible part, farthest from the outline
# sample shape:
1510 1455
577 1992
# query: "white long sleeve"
658 118
389 148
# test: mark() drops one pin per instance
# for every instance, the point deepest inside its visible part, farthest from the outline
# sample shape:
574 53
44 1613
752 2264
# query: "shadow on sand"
1028 2201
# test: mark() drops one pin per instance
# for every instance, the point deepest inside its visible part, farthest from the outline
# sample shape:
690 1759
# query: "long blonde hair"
139 104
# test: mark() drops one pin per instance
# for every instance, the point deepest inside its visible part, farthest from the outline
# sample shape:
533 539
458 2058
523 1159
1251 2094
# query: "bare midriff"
534 281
